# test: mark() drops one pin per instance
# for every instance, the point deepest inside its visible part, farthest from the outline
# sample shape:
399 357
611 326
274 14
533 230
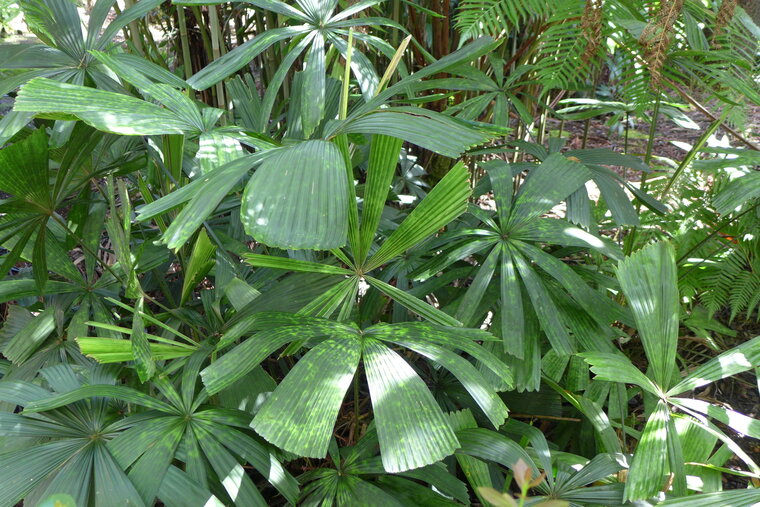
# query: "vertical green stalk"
346 76
204 33
216 52
396 16
625 144
185 44
650 142
586 125
356 405
134 30
631 239
155 54
342 142
694 150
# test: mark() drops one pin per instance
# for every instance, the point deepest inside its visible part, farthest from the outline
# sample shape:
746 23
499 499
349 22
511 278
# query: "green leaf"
32 56
560 232
606 156
615 367
129 445
111 481
100 390
463 55
477 289
21 393
286 263
545 186
144 363
500 175
178 490
410 302
217 149
616 199
13 122
383 158
512 319
300 415
475 470
445 202
427 129
492 446
30 337
204 198
240 293
736 421
258 456
289 204
238 484
649 282
734 498
246 356
114 350
73 479
136 11
174 100
600 307
646 477
201 261
469 376
15 425
737 360
544 306
24 170
149 471
411 428
106 111
241 56
313 85
18 289
738 192
22 470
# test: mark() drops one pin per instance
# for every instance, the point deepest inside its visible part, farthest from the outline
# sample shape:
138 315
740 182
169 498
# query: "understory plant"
348 261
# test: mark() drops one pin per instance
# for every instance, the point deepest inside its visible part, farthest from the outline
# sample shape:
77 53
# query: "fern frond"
746 285
561 48
475 18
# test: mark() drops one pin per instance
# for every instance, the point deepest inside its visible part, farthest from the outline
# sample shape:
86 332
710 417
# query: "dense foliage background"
402 252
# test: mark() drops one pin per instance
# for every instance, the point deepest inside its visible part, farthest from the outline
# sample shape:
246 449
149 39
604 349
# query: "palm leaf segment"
287 210
300 414
319 27
357 477
64 54
209 441
506 241
561 481
648 280
74 456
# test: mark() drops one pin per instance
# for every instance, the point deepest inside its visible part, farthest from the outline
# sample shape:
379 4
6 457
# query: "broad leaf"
647 475
297 198
300 415
649 282
106 111
411 428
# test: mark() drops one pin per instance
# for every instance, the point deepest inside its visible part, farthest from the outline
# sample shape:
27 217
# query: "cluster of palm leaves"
234 285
